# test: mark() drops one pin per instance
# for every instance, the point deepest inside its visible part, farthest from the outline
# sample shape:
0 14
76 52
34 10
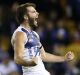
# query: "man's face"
32 15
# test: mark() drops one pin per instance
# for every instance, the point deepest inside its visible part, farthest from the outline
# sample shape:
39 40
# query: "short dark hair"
21 11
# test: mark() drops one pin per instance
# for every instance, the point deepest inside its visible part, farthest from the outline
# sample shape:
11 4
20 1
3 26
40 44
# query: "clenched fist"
69 56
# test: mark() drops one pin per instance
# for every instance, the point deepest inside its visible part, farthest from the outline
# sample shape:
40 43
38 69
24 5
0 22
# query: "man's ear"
25 17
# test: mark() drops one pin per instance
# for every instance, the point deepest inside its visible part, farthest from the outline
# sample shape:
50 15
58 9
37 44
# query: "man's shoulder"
18 31
18 34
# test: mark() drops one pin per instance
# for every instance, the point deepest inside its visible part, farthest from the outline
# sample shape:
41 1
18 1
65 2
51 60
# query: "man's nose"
37 13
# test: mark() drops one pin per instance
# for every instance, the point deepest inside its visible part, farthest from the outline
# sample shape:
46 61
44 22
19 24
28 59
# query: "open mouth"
35 21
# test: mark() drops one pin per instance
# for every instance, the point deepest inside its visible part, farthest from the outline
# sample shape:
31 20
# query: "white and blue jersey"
32 49
33 44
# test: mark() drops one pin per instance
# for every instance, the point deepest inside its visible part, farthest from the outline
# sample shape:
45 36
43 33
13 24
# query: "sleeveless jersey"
32 49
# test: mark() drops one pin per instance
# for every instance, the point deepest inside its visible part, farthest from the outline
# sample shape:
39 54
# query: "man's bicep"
19 43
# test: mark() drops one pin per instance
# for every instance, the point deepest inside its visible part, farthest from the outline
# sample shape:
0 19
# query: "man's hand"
69 56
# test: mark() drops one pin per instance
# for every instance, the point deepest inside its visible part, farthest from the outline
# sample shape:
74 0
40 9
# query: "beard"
33 23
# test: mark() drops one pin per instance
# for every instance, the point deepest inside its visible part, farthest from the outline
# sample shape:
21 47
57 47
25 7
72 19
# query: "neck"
26 26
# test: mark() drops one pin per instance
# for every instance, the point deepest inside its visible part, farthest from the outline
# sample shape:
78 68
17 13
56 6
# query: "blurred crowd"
59 31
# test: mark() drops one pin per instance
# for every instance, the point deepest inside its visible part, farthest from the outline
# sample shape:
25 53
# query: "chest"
33 40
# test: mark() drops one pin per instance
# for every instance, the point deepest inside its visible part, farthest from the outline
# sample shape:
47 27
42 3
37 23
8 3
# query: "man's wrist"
64 59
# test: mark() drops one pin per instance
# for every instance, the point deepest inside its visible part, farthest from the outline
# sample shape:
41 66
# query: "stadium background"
59 30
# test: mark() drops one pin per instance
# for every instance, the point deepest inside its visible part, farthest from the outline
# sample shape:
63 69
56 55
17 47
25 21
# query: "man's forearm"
53 58
23 62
